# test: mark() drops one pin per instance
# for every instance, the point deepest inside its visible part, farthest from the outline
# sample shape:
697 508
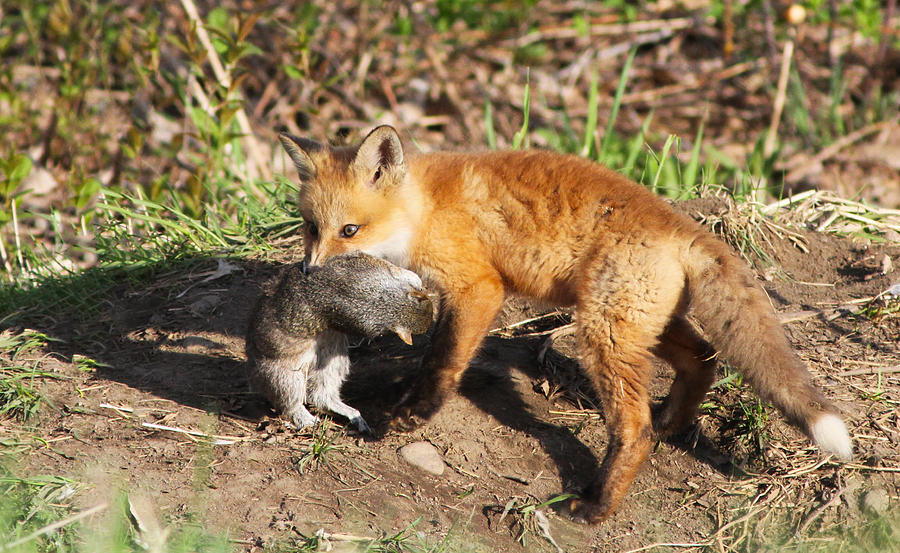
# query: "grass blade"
617 101
489 133
593 107
636 146
689 182
662 163
521 137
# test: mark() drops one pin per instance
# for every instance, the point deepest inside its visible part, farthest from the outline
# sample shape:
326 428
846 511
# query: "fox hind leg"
693 360
623 308
326 379
620 379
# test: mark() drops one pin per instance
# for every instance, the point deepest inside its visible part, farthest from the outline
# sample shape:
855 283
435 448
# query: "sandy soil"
522 427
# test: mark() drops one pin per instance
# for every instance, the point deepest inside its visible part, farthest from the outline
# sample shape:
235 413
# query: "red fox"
565 230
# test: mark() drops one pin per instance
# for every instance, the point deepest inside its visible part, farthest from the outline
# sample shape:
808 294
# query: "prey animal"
297 346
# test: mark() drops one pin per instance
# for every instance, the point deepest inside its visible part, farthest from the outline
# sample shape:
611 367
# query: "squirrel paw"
304 420
361 425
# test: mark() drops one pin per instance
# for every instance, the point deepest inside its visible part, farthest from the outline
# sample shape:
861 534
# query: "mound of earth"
523 429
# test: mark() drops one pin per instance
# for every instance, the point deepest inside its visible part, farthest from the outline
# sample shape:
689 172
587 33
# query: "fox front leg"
466 315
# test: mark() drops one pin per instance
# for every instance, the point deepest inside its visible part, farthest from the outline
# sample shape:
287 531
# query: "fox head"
354 198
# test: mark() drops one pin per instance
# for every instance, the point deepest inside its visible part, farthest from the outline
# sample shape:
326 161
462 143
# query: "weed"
18 399
520 139
31 504
527 517
882 306
320 449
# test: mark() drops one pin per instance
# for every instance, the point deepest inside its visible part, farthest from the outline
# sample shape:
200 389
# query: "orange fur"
564 230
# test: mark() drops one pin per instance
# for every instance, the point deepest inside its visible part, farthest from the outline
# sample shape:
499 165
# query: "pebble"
876 501
423 455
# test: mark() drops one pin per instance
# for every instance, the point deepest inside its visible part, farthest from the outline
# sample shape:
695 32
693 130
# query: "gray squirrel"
297 345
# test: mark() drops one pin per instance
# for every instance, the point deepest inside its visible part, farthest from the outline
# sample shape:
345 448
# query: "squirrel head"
370 296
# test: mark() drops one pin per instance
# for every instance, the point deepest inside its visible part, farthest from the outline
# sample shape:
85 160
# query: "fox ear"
299 150
380 151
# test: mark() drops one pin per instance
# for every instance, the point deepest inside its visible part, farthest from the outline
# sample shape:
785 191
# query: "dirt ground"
522 427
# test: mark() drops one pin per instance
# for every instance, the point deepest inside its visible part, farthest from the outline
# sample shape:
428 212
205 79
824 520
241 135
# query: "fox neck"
399 245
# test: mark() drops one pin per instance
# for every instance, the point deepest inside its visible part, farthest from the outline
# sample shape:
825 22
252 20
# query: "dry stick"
609 29
5 259
15 222
727 73
817 512
872 370
54 526
256 162
217 440
662 544
798 170
779 97
727 30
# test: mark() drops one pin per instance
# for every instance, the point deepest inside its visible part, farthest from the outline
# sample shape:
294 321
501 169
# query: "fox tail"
738 319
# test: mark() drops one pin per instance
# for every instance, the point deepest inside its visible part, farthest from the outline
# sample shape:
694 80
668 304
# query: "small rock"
876 501
423 455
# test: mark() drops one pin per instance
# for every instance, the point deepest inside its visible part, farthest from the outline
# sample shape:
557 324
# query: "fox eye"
349 230
377 174
312 229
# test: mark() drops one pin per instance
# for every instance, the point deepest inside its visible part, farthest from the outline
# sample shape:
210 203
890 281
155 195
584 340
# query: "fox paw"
585 510
409 416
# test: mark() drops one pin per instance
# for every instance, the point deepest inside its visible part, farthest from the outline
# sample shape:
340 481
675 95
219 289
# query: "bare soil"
521 428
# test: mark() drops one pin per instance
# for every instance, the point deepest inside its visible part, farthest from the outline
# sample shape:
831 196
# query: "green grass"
19 399
321 449
40 514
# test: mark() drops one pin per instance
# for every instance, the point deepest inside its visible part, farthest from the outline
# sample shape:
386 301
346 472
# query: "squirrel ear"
299 150
380 150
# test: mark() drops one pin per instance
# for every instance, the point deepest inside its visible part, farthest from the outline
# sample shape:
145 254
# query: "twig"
524 322
796 316
116 408
785 202
727 73
873 469
799 169
54 526
817 512
663 544
256 161
779 97
217 440
872 370
608 29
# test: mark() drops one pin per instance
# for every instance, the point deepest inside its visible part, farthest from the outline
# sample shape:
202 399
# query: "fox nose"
304 265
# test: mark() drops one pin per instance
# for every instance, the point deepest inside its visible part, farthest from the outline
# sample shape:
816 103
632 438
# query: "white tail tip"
831 436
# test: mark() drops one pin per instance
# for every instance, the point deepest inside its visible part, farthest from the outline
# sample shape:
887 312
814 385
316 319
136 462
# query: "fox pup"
296 343
564 230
